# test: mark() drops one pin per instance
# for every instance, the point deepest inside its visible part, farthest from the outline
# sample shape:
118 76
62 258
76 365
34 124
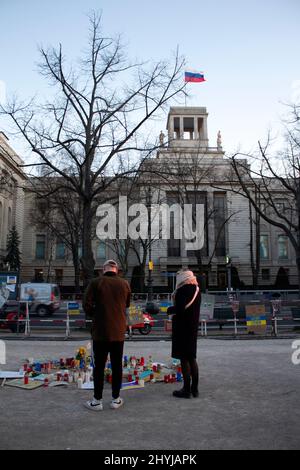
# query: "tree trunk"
76 264
87 259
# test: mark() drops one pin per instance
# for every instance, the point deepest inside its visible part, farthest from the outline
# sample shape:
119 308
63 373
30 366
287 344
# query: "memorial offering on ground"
78 370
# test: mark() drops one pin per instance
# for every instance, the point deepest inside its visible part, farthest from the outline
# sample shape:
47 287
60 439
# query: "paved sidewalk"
249 399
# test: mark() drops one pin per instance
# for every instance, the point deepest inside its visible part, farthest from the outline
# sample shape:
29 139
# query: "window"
194 198
219 220
282 247
188 128
9 225
264 208
59 275
60 250
174 245
101 250
279 204
265 274
38 275
264 247
40 247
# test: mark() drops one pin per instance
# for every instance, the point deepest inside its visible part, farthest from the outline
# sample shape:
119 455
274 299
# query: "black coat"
185 323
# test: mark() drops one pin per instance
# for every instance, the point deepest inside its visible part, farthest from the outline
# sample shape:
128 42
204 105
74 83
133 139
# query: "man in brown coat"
105 302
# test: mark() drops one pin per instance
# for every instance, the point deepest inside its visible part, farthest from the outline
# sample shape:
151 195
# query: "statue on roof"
161 139
219 140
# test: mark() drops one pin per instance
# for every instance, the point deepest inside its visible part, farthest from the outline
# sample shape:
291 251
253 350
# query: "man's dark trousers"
101 350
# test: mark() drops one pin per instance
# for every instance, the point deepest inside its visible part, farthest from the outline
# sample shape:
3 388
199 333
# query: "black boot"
195 392
182 393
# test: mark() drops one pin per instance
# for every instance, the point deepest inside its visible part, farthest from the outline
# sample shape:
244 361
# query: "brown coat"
105 302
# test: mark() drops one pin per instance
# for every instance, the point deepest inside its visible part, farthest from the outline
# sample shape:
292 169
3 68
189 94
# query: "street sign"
73 308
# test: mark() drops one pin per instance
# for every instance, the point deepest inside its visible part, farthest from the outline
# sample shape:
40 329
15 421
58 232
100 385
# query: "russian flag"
194 77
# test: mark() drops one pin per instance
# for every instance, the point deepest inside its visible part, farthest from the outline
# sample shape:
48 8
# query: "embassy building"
185 170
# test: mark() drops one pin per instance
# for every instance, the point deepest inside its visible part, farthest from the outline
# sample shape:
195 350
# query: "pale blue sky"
249 52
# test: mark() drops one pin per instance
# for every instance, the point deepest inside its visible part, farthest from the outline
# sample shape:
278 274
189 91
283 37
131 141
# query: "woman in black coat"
185 322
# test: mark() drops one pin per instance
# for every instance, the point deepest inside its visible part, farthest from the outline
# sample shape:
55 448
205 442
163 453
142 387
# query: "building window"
220 222
264 247
188 128
174 244
59 275
38 275
282 247
194 198
265 274
60 250
9 226
40 247
101 250
280 206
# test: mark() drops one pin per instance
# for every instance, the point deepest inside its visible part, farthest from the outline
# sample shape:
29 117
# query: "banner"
256 319
73 308
207 307
135 315
4 294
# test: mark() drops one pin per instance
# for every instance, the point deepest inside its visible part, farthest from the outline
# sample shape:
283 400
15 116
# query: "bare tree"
271 182
96 115
59 215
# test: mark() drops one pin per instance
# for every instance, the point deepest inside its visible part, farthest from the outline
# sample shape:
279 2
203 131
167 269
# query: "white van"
43 298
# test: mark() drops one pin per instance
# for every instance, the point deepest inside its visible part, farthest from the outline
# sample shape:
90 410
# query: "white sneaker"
94 405
116 403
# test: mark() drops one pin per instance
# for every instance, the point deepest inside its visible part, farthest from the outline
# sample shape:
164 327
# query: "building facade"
12 194
185 170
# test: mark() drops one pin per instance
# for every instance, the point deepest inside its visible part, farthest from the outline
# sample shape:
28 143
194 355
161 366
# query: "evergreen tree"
13 257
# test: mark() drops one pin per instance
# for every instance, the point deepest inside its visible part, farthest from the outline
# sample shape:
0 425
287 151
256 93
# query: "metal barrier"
274 317
274 324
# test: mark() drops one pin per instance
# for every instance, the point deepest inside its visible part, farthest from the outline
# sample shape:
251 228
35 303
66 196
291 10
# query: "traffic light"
228 260
150 265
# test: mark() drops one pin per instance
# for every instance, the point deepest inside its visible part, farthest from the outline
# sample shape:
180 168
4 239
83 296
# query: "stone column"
204 130
171 129
181 127
196 133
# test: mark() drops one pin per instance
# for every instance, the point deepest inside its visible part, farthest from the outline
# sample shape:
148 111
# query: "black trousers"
101 350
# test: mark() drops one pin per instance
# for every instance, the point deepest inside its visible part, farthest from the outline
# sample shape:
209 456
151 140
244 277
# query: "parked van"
43 298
